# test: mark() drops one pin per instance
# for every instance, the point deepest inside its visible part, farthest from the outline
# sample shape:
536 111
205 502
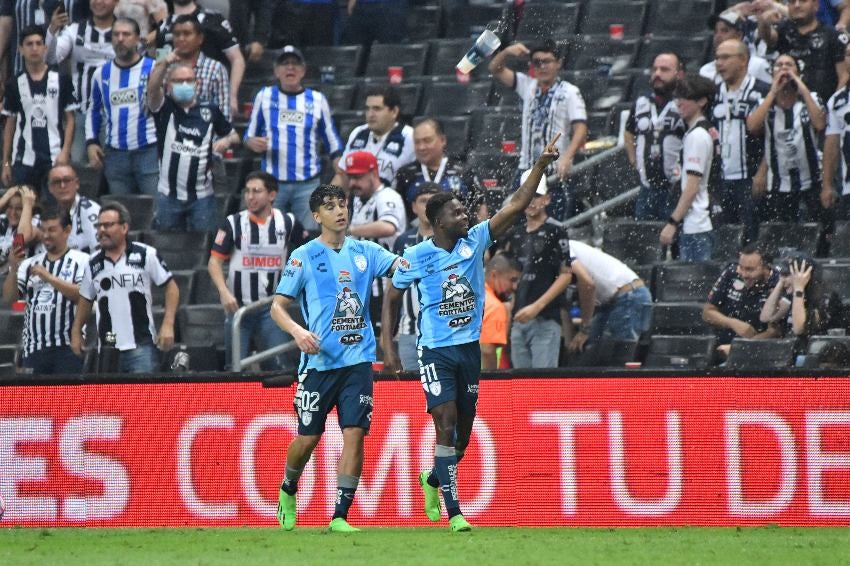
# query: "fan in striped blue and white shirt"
289 125
119 104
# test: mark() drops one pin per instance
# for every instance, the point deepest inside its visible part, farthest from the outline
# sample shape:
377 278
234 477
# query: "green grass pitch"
432 546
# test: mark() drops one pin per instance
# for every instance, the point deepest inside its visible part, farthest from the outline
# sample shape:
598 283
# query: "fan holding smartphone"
18 226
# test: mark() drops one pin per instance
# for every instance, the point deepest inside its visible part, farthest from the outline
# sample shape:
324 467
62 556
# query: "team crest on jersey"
458 296
344 276
206 114
360 263
465 251
348 314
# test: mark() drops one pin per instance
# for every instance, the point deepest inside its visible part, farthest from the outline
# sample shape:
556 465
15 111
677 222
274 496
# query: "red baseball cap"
360 163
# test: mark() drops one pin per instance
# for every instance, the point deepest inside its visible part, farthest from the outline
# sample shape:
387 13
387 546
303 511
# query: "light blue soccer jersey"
450 285
334 290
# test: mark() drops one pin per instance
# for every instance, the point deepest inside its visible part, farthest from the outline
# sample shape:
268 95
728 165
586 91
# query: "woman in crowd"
17 219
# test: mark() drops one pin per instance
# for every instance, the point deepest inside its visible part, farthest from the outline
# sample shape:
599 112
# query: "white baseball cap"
542 188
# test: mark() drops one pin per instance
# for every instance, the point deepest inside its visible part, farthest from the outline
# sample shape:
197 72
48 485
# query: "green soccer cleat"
286 511
432 497
459 524
340 525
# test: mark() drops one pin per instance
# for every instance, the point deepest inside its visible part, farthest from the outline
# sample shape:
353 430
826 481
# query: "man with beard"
819 48
50 284
653 139
219 42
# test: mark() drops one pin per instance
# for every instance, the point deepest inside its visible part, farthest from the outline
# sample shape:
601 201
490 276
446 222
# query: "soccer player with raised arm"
448 271
331 277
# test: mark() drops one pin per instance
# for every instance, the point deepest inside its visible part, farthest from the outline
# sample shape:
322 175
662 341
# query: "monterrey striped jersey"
88 47
294 124
49 313
257 252
119 94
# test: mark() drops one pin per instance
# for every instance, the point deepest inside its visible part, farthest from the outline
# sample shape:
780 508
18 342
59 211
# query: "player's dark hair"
390 95
548 45
695 87
120 209
55 213
436 204
503 262
32 30
191 20
759 248
435 123
269 182
130 22
680 61
322 192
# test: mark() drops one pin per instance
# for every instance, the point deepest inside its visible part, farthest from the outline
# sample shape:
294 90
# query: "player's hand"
743 329
165 341
64 158
827 196
28 197
517 50
229 302
59 19
6 176
578 342
221 146
550 152
526 314
306 341
234 105
801 274
255 51
77 344
668 234
258 145
37 269
724 349
95 153
565 165
392 364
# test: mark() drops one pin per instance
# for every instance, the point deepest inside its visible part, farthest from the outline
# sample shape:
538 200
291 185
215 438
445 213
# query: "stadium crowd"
121 163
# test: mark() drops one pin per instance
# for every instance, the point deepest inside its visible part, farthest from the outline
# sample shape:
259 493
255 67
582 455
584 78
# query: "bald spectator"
731 25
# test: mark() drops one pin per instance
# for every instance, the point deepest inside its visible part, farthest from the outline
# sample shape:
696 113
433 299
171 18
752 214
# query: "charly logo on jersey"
458 297
360 263
348 314
465 251
124 97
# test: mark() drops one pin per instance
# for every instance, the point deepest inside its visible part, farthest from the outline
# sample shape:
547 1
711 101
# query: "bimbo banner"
545 451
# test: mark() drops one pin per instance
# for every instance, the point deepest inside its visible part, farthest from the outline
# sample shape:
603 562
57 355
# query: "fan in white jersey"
49 282
378 211
256 243
390 141
120 277
64 184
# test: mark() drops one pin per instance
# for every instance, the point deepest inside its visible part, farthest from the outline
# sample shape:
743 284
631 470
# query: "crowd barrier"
546 451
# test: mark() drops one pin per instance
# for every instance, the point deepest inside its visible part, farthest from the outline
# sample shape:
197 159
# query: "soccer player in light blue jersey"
331 277
448 272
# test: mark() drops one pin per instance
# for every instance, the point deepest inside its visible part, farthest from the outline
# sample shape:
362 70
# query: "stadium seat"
684 282
817 343
141 209
7 353
686 17
201 325
692 49
803 237
457 130
469 20
679 319
633 242
760 355
505 98
445 54
602 54
347 121
259 71
598 16
836 277
409 92
203 290
493 165
453 98
727 242
184 284
839 245
606 352
491 128
540 20
692 352
347 61
411 57
340 95
90 181
180 250
424 23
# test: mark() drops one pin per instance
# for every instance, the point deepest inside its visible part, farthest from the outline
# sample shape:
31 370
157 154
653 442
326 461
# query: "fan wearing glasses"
549 104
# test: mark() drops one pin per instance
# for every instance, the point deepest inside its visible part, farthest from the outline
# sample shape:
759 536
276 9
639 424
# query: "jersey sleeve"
156 268
223 243
697 152
221 125
257 126
717 294
382 259
294 276
12 100
87 289
67 98
220 33
327 129
834 125
480 235
494 328
838 45
23 270
405 275
576 109
631 122
564 247
522 83
390 208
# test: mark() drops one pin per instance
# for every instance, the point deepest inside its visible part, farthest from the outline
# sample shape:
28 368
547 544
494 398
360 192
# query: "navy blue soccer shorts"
451 373
349 389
